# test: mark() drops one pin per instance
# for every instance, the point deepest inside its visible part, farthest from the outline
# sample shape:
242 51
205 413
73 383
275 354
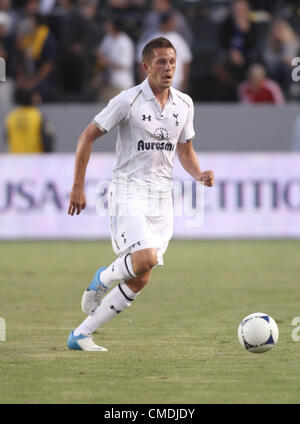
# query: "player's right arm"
83 153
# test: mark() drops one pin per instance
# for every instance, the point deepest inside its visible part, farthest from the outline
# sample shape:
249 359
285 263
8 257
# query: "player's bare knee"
136 284
143 267
144 261
151 259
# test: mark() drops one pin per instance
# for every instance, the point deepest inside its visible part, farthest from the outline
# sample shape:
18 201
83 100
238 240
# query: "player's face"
161 68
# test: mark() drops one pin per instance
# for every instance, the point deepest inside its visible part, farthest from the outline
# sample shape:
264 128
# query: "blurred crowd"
89 50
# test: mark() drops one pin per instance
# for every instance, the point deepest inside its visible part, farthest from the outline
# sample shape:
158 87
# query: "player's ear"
145 66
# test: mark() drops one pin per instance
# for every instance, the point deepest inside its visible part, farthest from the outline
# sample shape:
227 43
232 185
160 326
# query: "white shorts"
139 221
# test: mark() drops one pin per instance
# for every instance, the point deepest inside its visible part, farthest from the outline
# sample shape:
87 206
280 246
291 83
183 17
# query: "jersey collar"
148 93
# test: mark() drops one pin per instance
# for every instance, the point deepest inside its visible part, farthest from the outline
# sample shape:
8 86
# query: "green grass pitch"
176 344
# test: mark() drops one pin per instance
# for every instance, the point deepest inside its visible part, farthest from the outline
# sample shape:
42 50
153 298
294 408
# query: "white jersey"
147 134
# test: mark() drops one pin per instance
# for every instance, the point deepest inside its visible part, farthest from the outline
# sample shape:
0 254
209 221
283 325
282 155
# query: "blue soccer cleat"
93 295
83 342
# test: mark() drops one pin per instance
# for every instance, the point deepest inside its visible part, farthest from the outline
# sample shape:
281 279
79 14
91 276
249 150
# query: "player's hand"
77 201
208 178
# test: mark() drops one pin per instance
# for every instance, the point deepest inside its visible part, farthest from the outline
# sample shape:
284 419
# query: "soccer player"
154 121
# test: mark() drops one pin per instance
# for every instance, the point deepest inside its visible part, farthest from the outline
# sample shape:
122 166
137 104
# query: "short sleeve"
188 132
114 113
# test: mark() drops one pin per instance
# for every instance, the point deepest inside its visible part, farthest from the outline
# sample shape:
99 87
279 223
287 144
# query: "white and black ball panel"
258 332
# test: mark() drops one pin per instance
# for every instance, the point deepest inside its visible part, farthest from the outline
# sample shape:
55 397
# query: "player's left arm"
189 160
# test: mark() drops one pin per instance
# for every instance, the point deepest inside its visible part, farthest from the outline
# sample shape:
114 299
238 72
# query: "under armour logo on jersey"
123 236
146 117
176 117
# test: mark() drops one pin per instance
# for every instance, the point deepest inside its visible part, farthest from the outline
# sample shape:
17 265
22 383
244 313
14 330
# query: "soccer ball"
258 332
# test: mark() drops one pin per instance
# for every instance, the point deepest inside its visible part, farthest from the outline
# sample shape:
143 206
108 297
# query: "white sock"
119 298
120 269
